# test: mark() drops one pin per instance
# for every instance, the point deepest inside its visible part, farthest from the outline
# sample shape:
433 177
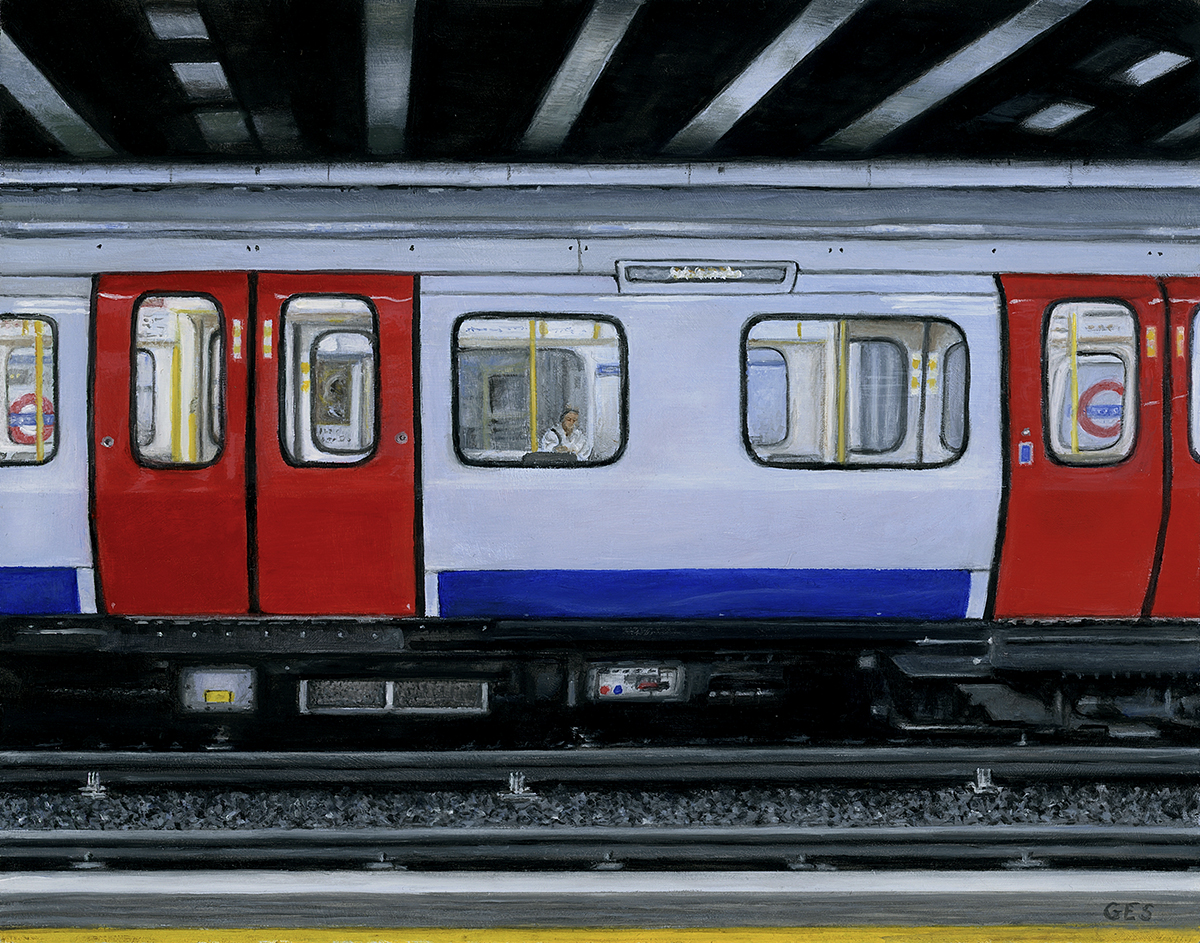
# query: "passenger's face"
569 421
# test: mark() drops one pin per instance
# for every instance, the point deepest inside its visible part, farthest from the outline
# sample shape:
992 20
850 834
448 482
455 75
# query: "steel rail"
626 766
960 847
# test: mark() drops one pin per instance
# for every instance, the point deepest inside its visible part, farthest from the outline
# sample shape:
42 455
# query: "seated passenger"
566 436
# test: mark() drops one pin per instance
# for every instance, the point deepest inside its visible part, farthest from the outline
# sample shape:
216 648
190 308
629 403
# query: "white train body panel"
44 527
686 494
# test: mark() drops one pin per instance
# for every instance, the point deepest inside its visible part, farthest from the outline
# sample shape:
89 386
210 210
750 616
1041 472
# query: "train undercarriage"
394 684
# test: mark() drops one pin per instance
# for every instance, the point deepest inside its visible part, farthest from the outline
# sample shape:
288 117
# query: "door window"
27 356
330 378
1091 382
178 381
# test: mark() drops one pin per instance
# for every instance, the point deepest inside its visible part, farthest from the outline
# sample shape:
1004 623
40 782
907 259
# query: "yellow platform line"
1141 932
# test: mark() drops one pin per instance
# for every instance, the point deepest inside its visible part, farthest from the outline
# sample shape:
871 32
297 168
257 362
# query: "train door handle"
108 441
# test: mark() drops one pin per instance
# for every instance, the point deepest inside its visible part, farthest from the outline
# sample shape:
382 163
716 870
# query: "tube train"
291 445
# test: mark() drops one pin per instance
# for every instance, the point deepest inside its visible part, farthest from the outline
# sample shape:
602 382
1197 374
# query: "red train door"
1177 593
335 444
170 443
1086 448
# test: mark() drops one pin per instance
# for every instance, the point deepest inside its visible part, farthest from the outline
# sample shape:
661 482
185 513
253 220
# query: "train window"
877 397
826 392
1091 382
538 390
330 378
176 378
144 396
29 361
766 396
954 397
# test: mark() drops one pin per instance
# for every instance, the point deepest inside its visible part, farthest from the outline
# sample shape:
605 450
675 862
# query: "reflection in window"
538 391
1091 378
177 381
29 361
954 400
854 391
144 396
878 394
343 392
766 396
330 367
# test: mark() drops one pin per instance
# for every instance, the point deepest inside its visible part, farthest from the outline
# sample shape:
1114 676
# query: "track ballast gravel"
347 808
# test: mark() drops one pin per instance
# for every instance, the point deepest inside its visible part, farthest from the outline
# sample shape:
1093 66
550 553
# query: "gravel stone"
571 807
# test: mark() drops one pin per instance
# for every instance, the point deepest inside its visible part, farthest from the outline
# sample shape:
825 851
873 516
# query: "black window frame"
134 448
284 361
801 464
456 431
55 399
1047 438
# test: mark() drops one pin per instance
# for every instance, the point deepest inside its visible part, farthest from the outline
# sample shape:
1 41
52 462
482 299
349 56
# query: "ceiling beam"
387 54
41 100
820 19
568 91
952 75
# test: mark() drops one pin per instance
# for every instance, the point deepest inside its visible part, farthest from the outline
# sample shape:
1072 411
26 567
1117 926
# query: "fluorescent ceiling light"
275 128
387 61
1185 132
1053 117
955 73
170 23
810 29
45 106
1152 67
202 79
223 127
571 86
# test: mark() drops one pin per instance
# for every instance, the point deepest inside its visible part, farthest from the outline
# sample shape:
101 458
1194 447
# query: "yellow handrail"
842 368
1074 383
38 382
533 436
176 396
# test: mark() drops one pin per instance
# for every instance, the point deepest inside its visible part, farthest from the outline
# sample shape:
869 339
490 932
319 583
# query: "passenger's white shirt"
575 442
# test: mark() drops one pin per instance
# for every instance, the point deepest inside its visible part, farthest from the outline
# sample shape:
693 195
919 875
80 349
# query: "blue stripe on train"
705 594
38 590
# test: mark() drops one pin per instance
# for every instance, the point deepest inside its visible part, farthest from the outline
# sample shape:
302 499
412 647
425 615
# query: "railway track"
624 766
529 834
645 848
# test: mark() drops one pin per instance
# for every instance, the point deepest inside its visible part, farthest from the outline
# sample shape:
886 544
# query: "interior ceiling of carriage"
569 81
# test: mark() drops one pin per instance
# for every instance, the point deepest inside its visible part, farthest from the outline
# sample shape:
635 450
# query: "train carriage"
446 442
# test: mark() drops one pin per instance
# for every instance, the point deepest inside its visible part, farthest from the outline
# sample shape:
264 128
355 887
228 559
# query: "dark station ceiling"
569 81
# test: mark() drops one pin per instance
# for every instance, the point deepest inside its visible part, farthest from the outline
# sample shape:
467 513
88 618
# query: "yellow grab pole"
38 381
842 368
1074 383
533 436
176 425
